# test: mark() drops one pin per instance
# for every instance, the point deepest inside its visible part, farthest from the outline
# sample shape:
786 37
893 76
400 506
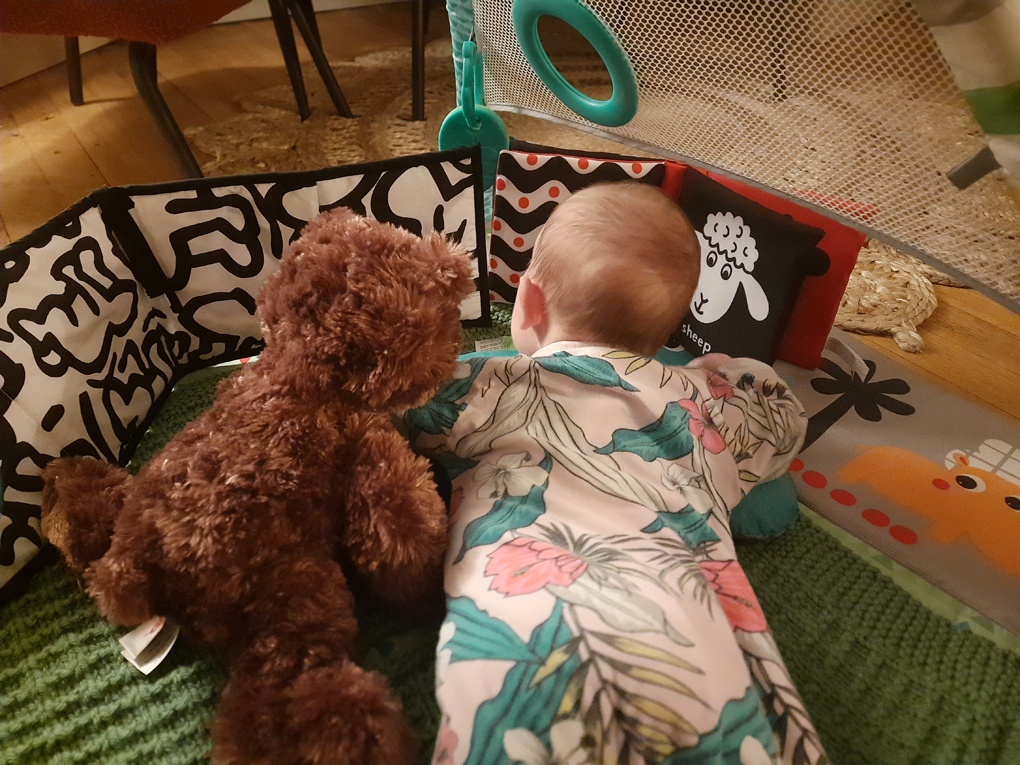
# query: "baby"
596 609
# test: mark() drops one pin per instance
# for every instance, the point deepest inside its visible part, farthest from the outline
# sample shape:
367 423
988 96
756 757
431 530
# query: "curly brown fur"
236 528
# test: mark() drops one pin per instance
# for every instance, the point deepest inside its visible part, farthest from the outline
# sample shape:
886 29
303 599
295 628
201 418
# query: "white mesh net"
847 104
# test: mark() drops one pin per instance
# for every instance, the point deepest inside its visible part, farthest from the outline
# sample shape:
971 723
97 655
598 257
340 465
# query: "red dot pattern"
532 159
875 517
903 534
844 498
514 278
523 204
518 242
554 192
497 225
583 164
637 167
815 479
500 184
493 263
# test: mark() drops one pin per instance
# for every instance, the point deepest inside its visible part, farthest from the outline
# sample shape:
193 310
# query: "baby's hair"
618 264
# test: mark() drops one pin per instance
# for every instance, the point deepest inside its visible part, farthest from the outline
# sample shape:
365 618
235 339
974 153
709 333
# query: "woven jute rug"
889 293
270 136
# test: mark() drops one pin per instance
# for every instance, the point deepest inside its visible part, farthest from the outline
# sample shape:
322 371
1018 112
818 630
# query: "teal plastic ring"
622 105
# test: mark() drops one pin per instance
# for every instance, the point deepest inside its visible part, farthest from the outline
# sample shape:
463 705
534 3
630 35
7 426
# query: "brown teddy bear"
237 530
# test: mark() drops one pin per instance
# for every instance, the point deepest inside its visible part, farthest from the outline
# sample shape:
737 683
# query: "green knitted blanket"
886 681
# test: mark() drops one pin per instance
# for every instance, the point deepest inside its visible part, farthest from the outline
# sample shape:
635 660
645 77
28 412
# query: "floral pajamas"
596 609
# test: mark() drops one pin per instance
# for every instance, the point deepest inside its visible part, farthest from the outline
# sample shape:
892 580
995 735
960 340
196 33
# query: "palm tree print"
866 397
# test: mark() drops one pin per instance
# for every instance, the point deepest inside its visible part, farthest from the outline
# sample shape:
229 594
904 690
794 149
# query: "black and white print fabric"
753 263
106 306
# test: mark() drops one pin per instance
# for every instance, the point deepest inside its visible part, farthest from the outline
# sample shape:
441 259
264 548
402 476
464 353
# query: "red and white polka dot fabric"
530 184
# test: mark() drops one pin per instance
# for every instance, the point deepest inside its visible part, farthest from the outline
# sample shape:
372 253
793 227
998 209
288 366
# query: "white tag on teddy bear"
148 644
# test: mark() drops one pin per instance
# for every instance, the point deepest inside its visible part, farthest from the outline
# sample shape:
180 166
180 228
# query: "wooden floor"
53 153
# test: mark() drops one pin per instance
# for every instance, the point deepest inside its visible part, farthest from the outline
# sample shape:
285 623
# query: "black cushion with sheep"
753 261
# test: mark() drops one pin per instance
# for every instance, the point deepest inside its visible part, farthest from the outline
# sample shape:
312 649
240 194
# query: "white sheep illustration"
728 255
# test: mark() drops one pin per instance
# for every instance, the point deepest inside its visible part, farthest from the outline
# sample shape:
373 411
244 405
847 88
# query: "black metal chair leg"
306 6
298 12
143 68
285 36
73 55
418 13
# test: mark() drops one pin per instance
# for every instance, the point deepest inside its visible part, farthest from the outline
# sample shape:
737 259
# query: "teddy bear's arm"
396 526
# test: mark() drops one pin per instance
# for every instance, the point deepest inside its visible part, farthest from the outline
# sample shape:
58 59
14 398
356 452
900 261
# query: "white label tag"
493 344
148 644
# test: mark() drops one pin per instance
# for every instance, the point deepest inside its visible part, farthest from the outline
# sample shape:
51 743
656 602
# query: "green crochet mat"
886 681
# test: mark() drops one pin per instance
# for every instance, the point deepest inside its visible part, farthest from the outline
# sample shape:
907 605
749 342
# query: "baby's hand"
710 361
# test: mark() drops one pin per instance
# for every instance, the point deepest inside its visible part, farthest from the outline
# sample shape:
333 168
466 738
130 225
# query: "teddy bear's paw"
120 589
337 715
82 498
346 716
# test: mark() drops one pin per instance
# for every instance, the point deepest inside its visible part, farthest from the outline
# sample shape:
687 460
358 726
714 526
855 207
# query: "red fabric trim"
674 183
818 302
151 21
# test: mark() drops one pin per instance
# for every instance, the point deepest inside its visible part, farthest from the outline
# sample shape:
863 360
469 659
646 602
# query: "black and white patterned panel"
85 354
208 246
208 249
422 198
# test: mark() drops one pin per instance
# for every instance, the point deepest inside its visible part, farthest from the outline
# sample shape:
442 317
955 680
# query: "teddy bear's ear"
315 265
330 222
451 262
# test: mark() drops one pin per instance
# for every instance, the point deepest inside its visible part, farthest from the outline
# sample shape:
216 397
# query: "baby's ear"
531 302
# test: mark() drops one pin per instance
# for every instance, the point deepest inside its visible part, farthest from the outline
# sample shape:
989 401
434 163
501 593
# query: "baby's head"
616 264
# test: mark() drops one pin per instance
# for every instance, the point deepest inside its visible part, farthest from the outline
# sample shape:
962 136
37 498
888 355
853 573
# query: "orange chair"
148 23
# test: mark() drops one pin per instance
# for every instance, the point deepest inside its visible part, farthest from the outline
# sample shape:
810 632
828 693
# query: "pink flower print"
735 595
702 427
525 565
720 387
446 744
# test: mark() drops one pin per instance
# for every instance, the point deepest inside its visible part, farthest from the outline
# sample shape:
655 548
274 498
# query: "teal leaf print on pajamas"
741 719
691 526
477 635
507 513
442 410
668 438
525 404
584 369
522 702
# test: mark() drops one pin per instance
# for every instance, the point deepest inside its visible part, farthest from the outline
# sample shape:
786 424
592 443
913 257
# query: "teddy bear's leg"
294 695
120 582
396 532
82 498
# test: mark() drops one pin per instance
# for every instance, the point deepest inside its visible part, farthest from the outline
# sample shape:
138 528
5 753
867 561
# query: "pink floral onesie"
596 609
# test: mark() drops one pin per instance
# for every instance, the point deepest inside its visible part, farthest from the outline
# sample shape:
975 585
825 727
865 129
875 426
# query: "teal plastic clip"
473 122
